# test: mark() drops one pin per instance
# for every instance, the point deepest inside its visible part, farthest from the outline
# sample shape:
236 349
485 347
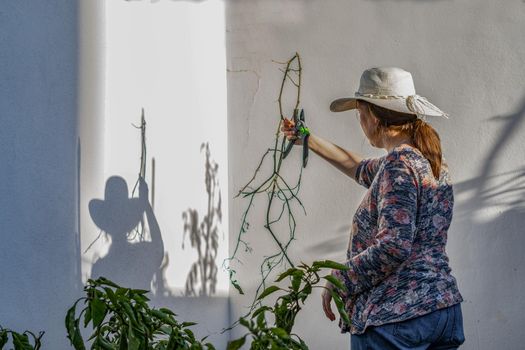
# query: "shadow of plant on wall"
488 229
505 189
204 235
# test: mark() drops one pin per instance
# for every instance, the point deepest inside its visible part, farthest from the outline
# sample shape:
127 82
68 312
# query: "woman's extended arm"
154 229
342 159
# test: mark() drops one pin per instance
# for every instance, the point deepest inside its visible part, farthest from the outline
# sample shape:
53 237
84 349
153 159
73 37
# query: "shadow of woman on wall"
128 263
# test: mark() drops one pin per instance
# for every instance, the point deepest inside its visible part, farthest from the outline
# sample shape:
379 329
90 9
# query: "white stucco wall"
39 259
467 57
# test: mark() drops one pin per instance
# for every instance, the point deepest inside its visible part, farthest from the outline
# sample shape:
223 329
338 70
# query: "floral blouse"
398 267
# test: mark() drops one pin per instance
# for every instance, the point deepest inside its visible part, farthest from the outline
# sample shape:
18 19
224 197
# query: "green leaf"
303 344
129 311
140 299
105 282
296 282
287 273
340 307
259 310
165 329
98 311
268 291
307 289
330 265
237 286
111 295
73 329
140 291
104 344
173 340
163 317
236 344
209 346
123 342
188 324
87 316
336 282
261 321
133 340
281 333
21 341
190 334
121 291
244 322
167 311
3 338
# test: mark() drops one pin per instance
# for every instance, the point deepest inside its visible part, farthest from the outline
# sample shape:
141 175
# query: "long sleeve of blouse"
396 223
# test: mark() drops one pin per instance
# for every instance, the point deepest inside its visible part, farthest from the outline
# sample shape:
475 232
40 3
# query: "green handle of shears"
304 133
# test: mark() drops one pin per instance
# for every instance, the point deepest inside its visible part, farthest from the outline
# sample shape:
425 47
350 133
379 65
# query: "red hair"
423 135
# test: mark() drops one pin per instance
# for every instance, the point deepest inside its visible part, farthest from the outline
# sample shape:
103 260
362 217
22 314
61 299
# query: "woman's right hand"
288 129
326 297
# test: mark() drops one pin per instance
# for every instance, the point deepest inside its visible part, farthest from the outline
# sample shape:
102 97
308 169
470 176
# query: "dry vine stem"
277 188
140 230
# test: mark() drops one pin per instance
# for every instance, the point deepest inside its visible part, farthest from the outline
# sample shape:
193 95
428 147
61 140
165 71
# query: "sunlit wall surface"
167 58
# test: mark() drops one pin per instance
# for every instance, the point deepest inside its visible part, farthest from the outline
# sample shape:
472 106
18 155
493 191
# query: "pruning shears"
302 131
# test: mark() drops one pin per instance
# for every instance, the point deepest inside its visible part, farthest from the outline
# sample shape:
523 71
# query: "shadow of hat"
116 213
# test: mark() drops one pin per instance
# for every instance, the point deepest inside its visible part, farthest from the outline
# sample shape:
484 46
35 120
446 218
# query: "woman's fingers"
287 125
287 129
327 298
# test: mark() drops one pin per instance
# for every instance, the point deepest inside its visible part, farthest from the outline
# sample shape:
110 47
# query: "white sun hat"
391 88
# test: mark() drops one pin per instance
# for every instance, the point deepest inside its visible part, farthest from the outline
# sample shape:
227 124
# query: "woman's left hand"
327 300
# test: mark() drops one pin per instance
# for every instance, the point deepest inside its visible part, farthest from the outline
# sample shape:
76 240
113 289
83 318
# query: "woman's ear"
375 120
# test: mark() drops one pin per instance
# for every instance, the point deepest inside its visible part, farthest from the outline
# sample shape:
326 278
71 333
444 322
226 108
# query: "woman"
399 290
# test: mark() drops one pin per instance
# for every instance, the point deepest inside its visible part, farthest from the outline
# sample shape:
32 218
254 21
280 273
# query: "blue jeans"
438 330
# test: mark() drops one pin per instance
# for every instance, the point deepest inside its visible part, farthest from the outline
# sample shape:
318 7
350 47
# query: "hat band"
415 103
383 97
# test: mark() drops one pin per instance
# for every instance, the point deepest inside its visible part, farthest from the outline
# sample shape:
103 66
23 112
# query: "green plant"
281 194
122 319
20 340
304 279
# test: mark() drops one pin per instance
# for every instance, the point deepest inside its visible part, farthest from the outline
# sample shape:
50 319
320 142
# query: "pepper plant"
21 341
279 335
122 319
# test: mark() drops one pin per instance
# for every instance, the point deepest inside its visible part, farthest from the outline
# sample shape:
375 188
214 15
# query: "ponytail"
423 135
427 140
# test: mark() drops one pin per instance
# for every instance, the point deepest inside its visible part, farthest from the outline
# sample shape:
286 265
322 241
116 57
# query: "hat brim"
396 104
112 216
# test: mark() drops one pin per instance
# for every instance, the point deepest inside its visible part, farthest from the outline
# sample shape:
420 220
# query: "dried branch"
278 191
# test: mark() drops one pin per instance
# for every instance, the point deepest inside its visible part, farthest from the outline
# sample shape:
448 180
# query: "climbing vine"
281 195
